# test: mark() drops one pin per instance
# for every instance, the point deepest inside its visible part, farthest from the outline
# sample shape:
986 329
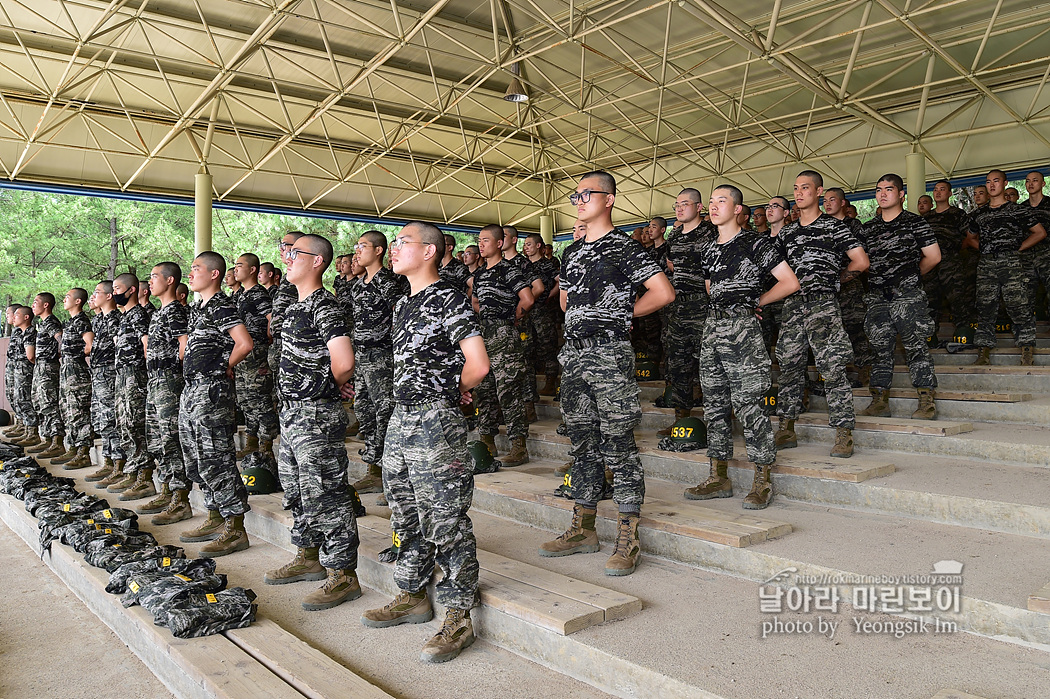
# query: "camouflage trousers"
75 401
45 399
374 397
501 387
770 322
206 427
312 465
273 359
815 323
599 400
1005 275
646 336
429 480
254 385
851 305
130 391
1038 260
906 312
163 393
104 409
734 373
685 334
9 382
953 281
23 394
543 330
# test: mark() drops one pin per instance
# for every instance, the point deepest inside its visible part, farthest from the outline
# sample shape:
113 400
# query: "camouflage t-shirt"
599 279
1003 228
683 251
455 273
894 248
165 328
128 339
1042 212
659 255
150 309
373 307
815 252
73 344
344 296
28 340
496 289
46 342
104 349
253 305
428 327
525 267
546 272
738 269
15 348
949 227
284 297
209 344
306 364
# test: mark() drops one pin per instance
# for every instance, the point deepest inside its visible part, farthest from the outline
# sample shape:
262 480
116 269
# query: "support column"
202 195
915 179
547 229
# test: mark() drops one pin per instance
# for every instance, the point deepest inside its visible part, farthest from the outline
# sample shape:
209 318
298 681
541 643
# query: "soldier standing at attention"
544 328
75 383
1039 254
144 301
956 275
471 258
599 392
453 270
165 348
283 297
218 342
14 346
814 247
529 395
104 386
266 278
45 378
439 357
25 355
733 359
254 384
182 294
851 293
902 247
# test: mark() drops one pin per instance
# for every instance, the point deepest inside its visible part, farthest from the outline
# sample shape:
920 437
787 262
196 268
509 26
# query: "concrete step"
1003 356
903 402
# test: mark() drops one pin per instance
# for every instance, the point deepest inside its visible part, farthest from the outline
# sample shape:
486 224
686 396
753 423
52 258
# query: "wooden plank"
995 350
934 428
954 694
541 607
308 670
978 396
1039 601
987 369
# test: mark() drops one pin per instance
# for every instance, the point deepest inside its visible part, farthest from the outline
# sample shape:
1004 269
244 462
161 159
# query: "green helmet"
641 355
689 430
646 371
484 462
259 481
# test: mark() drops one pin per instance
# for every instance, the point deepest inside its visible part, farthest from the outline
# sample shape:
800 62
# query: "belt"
818 295
205 378
724 313
689 295
496 323
593 341
163 373
893 292
428 405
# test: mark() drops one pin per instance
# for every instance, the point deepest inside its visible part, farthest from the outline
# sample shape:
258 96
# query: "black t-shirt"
455 273
496 289
1003 228
895 249
738 269
815 252
1042 212
306 363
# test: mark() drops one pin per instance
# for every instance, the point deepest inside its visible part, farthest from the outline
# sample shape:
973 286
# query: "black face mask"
121 299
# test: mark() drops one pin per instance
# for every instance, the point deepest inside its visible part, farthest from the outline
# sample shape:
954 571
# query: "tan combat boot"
81 460
490 441
679 413
157 504
564 468
1027 355
984 357
103 473
65 457
129 480
761 489
178 510
340 586
143 487
116 476
549 385
580 537
864 375
15 429
251 446
927 405
305 566
353 429
717 485
266 449
785 438
44 445
843 443
406 608
530 413
232 539
519 453
456 634
210 529
628 549
880 403
31 439
371 483
54 450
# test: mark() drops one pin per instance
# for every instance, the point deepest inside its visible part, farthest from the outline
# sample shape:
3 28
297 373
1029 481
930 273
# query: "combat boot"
232 539
530 413
984 357
406 608
1028 355
266 449
717 485
456 633
564 468
785 437
864 375
143 487
353 429
54 450
305 566
549 385
372 482
103 473
879 405
761 489
178 510
210 529
927 405
116 475
628 549
44 445
65 457
81 460
580 537
31 438
250 447
341 586
16 428
490 441
122 484
519 453
157 504
843 443
679 413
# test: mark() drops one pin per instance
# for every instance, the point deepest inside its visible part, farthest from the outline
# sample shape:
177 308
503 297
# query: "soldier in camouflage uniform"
168 333
217 343
316 360
283 296
599 392
374 296
901 247
734 364
75 382
814 247
1038 256
529 395
851 291
501 296
439 357
13 346
543 325
452 270
253 379
103 385
651 326
1004 230
45 378
776 216
955 277
24 355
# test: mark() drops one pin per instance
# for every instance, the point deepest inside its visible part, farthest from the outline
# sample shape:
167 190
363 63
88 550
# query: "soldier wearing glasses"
283 297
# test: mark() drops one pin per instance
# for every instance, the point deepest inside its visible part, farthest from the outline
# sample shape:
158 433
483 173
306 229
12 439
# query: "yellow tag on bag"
211 598
184 578
133 586
165 562
65 507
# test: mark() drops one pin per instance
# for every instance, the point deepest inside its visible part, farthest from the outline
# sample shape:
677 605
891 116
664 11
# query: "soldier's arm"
145 344
473 299
787 284
475 364
342 353
555 290
89 343
31 353
563 299
538 288
931 257
242 346
858 260
183 339
525 302
658 293
1037 234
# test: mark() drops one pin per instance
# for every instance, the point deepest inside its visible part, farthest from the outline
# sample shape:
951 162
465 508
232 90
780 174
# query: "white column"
202 194
547 228
915 179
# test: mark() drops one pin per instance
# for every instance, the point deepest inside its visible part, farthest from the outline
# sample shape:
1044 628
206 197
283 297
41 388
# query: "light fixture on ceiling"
515 91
